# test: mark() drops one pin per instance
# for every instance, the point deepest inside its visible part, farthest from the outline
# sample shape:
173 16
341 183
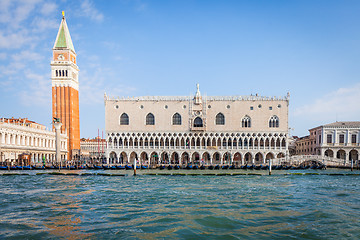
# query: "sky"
310 49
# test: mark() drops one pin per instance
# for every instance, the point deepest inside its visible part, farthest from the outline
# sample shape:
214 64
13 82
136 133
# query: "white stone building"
21 136
94 148
338 139
199 130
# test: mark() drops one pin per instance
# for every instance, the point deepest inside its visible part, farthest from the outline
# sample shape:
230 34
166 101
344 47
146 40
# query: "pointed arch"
150 119
124 119
176 119
220 119
274 122
246 122
198 122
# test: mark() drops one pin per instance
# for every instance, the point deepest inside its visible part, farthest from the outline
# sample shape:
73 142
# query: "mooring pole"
269 166
352 165
134 166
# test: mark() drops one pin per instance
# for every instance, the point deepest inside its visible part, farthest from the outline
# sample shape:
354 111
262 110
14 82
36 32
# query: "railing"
299 159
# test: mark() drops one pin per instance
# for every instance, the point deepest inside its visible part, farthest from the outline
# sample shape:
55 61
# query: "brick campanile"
65 88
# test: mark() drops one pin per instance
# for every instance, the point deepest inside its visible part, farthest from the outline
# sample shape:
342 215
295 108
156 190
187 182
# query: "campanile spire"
65 87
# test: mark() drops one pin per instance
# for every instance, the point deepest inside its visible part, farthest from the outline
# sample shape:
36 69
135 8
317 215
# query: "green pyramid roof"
63 39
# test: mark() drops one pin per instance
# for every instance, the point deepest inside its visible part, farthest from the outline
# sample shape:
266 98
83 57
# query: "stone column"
57 126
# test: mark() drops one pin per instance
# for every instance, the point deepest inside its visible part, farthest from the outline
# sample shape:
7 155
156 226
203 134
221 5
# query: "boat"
3 168
278 167
72 167
27 167
250 167
89 167
286 167
244 166
232 167
169 167
202 167
120 167
217 167
98 167
321 167
105 167
264 167
225 167
49 167
162 167
128 167
189 167
176 167
211 167
82 167
113 167
144 167
19 168
258 167
39 168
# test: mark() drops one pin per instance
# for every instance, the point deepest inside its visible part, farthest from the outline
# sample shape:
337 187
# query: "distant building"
338 140
305 145
21 137
198 129
93 150
65 88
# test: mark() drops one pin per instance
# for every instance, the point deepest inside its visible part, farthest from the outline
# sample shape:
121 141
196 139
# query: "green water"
306 206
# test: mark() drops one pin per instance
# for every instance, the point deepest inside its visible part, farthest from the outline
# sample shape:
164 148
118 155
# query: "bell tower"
65 87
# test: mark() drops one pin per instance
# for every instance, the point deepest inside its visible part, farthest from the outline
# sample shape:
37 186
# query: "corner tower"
65 87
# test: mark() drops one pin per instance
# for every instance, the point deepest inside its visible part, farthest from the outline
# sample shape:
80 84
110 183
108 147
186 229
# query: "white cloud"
48 8
88 9
13 40
3 56
37 91
342 104
22 11
41 24
27 56
93 81
5 15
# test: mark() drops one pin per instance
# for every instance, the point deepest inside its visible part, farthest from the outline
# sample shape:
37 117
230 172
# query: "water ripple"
180 207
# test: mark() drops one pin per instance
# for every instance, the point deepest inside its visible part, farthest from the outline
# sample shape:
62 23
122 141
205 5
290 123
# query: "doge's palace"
197 129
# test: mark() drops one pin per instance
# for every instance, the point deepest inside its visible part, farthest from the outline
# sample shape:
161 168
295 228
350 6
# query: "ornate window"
353 138
150 119
341 138
246 122
176 119
198 122
329 138
274 122
124 119
220 119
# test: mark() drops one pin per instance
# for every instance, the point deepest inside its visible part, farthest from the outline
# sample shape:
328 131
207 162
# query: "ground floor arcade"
12 157
152 157
341 153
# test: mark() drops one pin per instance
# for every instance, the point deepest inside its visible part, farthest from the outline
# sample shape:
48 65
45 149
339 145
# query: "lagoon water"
181 206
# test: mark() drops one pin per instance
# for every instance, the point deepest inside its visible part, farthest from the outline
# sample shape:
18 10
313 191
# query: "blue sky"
138 47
